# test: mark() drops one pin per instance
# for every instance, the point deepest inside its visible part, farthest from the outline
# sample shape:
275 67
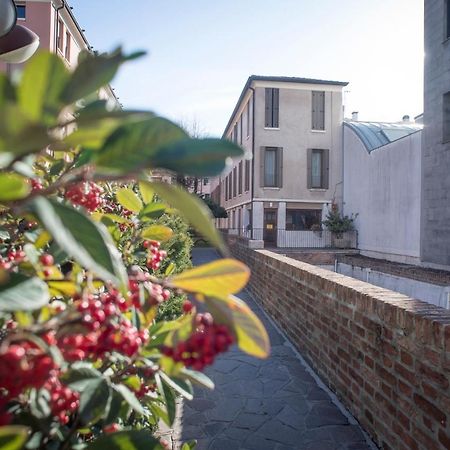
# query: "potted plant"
338 225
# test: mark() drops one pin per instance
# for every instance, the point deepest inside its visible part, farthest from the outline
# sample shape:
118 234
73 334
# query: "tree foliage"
90 248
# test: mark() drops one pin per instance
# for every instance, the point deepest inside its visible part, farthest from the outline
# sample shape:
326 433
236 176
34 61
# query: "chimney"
405 118
355 116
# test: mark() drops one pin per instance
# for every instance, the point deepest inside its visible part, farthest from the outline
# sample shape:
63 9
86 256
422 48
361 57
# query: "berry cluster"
63 401
13 257
23 365
106 330
36 185
85 194
201 348
155 255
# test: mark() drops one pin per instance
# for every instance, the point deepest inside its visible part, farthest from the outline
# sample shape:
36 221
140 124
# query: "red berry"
47 259
187 306
112 428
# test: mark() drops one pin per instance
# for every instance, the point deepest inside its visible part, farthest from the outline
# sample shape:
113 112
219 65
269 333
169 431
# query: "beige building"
291 131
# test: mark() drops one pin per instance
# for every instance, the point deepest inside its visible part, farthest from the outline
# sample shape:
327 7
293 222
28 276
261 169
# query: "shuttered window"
247 175
272 108
318 110
235 134
230 186
446 117
241 130
226 188
248 118
235 182
271 167
318 169
240 175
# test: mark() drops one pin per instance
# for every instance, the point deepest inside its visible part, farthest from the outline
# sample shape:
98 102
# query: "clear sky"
201 52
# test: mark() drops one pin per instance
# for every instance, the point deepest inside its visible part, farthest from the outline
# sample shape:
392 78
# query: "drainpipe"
57 10
253 156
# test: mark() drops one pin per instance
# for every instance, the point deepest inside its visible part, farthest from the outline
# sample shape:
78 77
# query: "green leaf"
129 397
196 157
21 293
132 146
198 377
192 209
13 187
13 437
93 72
168 398
250 333
152 211
7 90
126 440
184 388
95 401
80 375
146 193
89 243
129 200
43 80
157 233
218 278
189 445
18 135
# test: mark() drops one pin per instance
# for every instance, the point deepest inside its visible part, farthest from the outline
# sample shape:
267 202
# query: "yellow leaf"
60 288
219 278
146 192
42 240
250 333
129 200
157 233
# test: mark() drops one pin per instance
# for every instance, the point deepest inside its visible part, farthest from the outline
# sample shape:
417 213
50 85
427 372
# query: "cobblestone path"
271 404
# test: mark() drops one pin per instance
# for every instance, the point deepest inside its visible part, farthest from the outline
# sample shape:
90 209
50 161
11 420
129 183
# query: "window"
205 181
230 185
446 117
272 108
21 11
60 35
272 167
303 219
235 182
241 130
318 168
318 110
247 175
68 43
240 178
235 134
248 119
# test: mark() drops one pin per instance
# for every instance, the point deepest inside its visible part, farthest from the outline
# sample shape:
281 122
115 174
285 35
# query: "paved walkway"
264 404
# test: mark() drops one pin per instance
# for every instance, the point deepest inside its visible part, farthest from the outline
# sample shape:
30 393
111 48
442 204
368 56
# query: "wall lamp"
17 43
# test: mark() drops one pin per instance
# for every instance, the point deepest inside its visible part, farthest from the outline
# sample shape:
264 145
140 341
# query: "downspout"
253 156
57 10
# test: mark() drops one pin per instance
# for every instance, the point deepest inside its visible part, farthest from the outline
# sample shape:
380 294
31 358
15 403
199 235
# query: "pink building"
58 30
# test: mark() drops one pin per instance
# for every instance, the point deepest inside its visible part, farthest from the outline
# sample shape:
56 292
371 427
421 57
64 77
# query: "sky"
201 52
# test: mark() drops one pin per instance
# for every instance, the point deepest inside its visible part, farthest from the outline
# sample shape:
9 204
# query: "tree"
88 258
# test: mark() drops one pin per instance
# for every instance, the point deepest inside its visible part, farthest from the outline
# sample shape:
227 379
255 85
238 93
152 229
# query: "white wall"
383 187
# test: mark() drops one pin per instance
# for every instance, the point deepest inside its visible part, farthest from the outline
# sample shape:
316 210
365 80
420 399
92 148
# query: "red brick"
409 376
444 438
385 375
426 440
430 409
429 391
434 377
403 420
406 358
405 437
405 388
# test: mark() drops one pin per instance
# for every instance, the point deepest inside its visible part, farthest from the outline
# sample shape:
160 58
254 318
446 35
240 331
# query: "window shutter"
313 111
268 119
276 108
241 129
321 113
280 167
325 168
308 169
262 155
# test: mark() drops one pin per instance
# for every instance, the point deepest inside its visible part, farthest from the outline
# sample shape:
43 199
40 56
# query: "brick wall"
385 355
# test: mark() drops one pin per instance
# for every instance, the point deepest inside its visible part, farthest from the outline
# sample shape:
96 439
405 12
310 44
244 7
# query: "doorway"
270 227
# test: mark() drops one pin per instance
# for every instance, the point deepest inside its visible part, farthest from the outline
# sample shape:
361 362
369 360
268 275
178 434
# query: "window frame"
298 211
21 7
318 123
324 168
60 39
278 164
67 47
247 175
446 117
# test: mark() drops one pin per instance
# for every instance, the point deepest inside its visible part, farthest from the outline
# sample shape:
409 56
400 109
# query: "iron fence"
285 238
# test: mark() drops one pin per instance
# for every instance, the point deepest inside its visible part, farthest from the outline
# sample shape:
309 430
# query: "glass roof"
376 134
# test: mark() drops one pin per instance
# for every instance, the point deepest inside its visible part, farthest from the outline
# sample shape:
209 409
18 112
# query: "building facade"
435 204
382 169
59 32
291 131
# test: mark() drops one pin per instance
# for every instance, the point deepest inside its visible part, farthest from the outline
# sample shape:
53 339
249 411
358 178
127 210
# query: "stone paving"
271 404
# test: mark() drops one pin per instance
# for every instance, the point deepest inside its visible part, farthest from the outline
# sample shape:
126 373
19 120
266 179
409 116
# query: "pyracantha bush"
92 248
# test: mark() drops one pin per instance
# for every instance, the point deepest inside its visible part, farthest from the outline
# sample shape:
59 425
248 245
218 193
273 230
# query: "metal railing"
284 238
